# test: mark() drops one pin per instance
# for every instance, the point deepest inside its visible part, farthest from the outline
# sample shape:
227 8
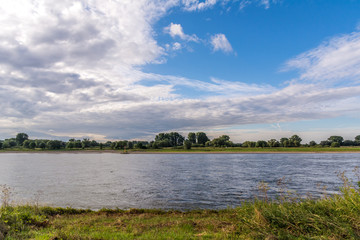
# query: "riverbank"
336 217
199 150
288 216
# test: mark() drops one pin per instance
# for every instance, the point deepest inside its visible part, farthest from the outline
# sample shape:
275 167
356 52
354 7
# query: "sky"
124 69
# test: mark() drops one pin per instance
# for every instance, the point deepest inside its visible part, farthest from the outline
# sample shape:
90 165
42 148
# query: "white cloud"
196 5
215 86
244 3
220 43
193 5
263 3
336 60
176 30
176 46
75 67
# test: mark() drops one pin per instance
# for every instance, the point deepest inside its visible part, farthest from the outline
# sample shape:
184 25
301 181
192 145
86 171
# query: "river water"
166 181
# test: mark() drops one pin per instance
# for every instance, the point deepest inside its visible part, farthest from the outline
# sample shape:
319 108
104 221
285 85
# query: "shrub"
187 144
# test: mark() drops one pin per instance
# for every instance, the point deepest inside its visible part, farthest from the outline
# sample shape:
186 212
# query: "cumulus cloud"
176 30
73 68
219 42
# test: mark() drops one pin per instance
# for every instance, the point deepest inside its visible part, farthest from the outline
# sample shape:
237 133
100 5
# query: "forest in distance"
172 140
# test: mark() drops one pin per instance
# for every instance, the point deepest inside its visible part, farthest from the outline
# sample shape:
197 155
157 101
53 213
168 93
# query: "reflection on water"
167 181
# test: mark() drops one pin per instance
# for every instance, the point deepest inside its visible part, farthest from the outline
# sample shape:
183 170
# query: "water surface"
166 181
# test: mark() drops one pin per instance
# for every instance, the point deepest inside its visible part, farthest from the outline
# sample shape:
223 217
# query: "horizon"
185 136
250 69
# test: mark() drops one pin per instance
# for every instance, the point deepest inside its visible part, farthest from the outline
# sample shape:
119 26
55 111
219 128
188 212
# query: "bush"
3 230
187 144
335 144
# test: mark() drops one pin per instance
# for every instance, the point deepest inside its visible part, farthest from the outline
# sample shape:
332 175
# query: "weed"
5 195
263 188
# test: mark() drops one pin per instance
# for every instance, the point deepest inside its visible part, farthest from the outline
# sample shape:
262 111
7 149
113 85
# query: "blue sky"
252 69
262 39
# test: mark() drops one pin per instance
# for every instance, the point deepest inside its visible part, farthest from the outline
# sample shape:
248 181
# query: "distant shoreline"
178 152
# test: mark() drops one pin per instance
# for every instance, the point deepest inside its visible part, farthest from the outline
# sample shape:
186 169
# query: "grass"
202 150
252 150
287 217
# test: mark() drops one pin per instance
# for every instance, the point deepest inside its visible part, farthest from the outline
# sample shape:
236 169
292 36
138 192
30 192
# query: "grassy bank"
198 150
249 150
288 217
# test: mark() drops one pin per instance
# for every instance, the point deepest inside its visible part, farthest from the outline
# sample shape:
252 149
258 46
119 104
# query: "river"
166 181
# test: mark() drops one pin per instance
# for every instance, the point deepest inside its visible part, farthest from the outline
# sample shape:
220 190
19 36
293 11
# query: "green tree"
282 142
325 143
130 145
6 144
20 138
273 143
122 144
54 144
161 137
70 144
155 145
192 137
249 144
85 143
172 139
176 139
295 141
337 139
187 144
335 144
32 145
139 145
201 138
9 143
77 144
312 143
117 145
26 143
222 141
348 143
42 145
1 144
357 141
261 144
286 143
94 143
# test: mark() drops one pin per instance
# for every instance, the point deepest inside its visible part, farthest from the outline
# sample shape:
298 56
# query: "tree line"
170 140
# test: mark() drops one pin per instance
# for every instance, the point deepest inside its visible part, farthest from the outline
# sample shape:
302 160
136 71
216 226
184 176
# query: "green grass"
250 150
335 217
201 150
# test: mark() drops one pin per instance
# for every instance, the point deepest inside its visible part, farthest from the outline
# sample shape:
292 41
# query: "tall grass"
287 217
